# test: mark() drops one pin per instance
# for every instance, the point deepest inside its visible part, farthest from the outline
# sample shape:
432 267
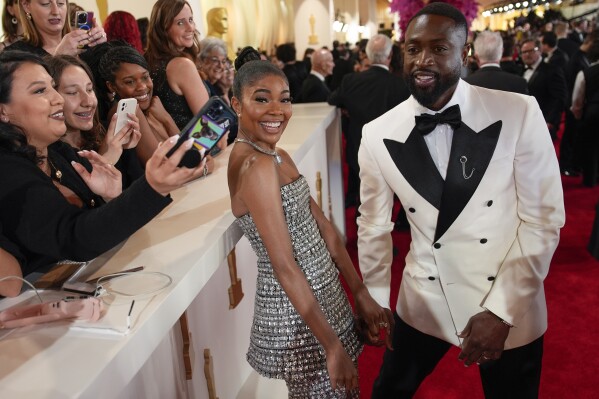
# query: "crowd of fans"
59 86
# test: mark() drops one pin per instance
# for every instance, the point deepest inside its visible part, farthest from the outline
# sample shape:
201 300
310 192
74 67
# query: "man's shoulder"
397 119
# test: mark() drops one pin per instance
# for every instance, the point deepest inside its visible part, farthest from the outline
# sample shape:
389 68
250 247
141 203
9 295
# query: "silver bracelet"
205 170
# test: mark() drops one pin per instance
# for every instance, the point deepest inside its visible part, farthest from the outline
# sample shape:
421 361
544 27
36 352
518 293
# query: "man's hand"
484 338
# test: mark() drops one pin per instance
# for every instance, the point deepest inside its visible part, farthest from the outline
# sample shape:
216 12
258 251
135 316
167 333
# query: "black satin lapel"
478 148
414 161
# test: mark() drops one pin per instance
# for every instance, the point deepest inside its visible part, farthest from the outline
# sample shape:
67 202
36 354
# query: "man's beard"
428 97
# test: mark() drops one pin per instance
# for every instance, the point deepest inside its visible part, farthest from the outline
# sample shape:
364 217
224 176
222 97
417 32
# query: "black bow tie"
426 123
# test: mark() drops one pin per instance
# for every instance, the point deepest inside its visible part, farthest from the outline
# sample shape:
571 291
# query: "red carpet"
571 360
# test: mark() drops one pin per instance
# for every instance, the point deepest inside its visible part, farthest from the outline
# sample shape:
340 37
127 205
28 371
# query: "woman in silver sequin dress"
303 329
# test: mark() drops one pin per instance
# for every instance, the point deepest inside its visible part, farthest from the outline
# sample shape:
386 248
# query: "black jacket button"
431 278
483 241
490 202
437 245
412 210
491 278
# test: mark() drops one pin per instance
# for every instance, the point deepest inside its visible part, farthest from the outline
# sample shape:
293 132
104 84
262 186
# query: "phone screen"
206 132
206 128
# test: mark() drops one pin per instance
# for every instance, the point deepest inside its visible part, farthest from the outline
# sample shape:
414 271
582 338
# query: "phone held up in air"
84 20
124 107
206 128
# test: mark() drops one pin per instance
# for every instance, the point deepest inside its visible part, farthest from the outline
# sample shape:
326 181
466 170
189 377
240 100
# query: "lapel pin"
463 161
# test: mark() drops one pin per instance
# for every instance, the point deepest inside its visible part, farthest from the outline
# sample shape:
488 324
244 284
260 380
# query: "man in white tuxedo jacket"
481 184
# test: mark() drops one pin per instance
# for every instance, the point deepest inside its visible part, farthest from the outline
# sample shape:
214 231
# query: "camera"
215 111
84 19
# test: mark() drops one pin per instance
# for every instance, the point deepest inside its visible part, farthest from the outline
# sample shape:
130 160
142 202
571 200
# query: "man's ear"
465 53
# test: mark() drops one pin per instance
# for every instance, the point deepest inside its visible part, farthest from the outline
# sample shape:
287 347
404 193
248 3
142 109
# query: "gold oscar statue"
218 22
313 38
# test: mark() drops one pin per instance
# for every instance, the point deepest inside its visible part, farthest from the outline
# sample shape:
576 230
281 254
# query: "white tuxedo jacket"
483 242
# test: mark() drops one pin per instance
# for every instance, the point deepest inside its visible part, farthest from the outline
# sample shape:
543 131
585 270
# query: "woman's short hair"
12 138
208 44
123 25
251 72
160 47
30 33
246 54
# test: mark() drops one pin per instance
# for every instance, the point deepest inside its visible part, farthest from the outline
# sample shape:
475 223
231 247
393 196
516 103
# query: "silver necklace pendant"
273 153
463 161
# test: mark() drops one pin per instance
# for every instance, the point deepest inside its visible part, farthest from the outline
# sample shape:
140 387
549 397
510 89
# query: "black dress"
174 104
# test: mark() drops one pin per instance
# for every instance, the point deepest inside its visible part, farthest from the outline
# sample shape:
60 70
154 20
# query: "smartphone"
124 107
84 20
207 127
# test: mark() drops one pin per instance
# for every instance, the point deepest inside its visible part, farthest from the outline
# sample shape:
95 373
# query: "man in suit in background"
553 54
365 96
507 62
314 89
478 173
578 31
570 150
564 43
546 83
488 47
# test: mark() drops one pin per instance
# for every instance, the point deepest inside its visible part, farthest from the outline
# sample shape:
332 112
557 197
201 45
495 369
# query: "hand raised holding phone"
163 173
206 128
117 140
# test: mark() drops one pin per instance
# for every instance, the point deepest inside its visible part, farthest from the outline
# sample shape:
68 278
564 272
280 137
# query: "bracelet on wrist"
205 171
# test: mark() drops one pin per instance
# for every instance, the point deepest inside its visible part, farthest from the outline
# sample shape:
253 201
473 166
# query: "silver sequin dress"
281 344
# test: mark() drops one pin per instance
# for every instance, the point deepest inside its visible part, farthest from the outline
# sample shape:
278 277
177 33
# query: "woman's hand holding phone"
163 173
125 138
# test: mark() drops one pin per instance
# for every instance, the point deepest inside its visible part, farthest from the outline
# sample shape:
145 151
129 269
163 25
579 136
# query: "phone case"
84 19
125 106
212 122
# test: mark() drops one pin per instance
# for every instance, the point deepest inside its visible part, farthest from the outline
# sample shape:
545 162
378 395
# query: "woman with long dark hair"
173 48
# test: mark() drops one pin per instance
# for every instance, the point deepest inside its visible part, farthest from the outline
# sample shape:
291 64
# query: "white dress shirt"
439 140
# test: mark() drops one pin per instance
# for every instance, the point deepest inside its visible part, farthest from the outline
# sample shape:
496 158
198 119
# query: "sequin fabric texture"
281 344
173 103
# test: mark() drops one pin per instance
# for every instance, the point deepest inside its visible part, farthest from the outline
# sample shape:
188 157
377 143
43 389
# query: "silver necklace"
272 153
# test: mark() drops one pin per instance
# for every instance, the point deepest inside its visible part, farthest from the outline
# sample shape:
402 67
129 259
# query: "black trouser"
568 149
515 375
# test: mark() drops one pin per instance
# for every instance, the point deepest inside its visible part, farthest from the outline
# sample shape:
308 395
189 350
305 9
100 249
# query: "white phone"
125 106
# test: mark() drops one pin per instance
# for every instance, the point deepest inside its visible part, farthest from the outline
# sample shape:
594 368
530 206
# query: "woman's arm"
375 316
184 79
260 192
161 116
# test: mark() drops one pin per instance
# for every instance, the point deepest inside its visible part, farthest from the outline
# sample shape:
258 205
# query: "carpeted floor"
571 360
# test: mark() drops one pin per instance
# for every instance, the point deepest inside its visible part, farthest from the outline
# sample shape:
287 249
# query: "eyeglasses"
216 60
529 51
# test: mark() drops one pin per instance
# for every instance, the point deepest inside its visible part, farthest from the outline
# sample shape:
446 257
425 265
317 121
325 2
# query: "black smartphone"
84 20
210 124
